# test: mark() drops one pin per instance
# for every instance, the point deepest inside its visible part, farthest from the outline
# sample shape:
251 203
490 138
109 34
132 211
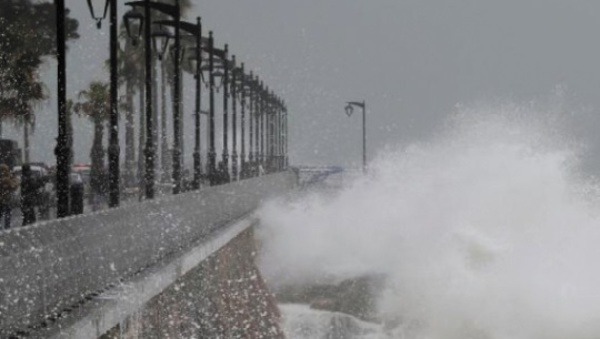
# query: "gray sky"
411 60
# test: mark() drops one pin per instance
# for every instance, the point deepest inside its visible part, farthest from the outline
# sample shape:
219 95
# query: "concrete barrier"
49 267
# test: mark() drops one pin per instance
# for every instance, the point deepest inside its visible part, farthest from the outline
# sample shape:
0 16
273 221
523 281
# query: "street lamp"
257 128
281 135
242 89
62 150
96 7
196 31
225 82
134 21
349 110
221 72
211 114
212 155
251 106
233 85
271 132
175 12
160 42
263 97
113 147
286 136
278 134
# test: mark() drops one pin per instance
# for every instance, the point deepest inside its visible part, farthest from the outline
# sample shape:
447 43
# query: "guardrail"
47 268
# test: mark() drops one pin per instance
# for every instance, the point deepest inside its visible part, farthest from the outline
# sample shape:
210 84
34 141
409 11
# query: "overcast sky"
412 61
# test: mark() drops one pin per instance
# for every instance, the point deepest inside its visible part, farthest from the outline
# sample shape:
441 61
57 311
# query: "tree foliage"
28 35
94 103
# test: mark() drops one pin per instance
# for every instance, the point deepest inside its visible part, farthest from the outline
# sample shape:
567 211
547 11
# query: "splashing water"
485 232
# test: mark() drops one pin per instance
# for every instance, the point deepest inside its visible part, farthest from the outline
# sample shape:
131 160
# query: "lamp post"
145 20
234 156
286 126
257 127
251 113
212 154
225 84
274 132
150 153
349 110
242 86
278 135
263 133
62 150
196 31
113 144
281 137
271 132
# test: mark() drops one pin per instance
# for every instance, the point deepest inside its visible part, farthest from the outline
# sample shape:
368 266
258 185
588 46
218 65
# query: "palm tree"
95 104
21 93
24 41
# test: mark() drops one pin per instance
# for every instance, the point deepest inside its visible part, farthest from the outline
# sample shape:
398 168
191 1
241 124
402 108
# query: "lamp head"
182 51
221 76
349 110
160 42
134 21
96 7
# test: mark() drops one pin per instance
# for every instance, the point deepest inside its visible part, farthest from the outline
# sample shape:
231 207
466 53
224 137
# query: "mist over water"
488 231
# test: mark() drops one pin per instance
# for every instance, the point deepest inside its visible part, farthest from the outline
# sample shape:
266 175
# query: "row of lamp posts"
261 111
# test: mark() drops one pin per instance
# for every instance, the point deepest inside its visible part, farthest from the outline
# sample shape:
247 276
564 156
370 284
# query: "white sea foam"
484 232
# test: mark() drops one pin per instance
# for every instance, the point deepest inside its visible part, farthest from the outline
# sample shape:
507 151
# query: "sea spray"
487 231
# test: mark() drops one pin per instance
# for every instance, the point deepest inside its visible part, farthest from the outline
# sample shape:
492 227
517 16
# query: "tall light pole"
234 155
150 153
243 121
113 144
196 31
62 150
257 112
349 110
113 147
286 161
251 113
271 132
279 136
262 124
212 154
225 84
